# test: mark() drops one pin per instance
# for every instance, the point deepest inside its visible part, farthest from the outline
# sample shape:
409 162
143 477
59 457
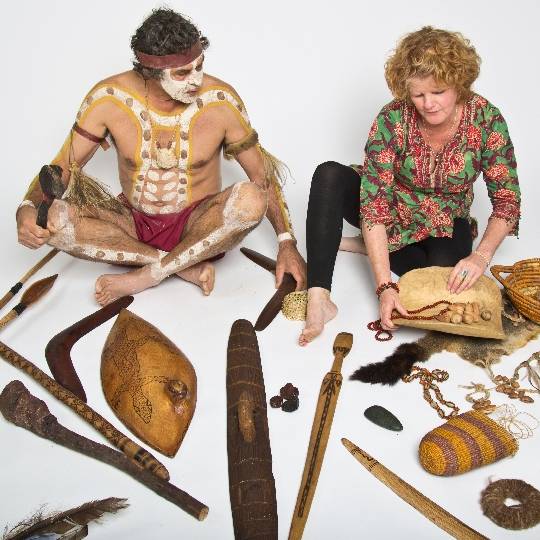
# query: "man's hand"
388 302
30 234
291 262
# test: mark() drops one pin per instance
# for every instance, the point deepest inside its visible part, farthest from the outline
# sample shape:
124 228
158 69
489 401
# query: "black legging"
335 196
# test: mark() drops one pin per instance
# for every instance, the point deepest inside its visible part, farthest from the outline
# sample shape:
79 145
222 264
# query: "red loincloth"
162 231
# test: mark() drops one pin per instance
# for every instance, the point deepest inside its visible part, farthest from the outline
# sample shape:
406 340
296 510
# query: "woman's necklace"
435 156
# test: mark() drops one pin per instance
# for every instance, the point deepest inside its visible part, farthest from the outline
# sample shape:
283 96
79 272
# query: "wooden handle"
8 318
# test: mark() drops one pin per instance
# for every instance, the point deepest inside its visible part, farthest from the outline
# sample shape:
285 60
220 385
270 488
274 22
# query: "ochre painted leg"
216 226
107 238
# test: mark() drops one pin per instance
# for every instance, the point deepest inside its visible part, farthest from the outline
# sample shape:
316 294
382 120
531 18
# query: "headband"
170 60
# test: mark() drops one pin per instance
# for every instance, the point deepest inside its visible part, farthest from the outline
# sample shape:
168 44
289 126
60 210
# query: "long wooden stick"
437 515
18 286
320 431
23 409
132 450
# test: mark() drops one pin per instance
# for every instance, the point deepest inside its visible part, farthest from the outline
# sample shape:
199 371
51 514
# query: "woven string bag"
463 443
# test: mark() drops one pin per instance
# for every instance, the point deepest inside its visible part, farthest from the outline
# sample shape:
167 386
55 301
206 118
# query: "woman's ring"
463 274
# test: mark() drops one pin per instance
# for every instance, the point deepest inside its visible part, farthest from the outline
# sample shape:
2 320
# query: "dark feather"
68 523
393 367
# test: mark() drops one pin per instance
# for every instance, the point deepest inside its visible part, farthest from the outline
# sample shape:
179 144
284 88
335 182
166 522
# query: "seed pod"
276 402
526 399
513 394
444 317
290 405
515 384
289 391
476 311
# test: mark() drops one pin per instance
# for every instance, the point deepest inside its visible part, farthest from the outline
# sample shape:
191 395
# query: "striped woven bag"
463 443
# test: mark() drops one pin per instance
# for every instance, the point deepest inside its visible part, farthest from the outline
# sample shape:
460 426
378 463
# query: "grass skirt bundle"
467 441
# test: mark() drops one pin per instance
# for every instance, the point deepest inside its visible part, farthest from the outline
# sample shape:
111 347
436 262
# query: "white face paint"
184 90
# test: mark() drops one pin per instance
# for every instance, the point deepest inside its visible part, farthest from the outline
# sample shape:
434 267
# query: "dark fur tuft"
393 367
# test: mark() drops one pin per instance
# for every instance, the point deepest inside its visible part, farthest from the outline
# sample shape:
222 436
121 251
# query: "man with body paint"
168 122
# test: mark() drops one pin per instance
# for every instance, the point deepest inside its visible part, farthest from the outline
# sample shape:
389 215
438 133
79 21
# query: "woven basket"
522 285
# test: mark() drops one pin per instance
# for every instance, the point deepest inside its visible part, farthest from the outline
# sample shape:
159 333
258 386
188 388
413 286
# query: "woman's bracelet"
388 285
482 256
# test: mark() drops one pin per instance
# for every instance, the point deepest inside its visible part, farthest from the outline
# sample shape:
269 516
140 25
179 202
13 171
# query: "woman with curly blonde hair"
412 196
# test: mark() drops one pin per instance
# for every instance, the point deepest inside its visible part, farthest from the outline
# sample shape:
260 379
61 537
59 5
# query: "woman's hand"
388 302
466 273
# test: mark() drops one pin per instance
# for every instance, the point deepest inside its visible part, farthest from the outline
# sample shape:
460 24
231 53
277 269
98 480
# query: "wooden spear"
437 515
31 295
23 409
320 431
18 286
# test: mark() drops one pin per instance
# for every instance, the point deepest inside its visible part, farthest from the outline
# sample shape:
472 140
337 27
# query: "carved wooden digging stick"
320 431
23 409
132 450
18 286
251 482
437 515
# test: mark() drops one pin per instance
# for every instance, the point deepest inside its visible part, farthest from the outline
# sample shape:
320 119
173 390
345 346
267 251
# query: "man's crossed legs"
215 226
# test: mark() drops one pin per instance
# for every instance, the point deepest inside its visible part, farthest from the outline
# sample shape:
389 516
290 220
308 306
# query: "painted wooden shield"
148 382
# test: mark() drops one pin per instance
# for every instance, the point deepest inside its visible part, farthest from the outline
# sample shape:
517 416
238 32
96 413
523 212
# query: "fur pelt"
393 367
481 351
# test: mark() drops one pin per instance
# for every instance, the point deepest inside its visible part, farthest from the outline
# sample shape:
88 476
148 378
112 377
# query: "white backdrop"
311 75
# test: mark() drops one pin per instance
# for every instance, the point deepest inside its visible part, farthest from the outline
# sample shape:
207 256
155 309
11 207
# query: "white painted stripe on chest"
182 120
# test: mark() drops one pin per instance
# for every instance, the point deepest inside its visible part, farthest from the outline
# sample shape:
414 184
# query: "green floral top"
399 191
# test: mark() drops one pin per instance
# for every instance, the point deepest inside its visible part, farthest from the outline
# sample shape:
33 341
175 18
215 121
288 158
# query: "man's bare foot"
354 244
203 275
109 287
320 310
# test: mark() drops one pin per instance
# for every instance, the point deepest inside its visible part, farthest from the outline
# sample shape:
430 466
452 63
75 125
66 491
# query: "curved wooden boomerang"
58 350
288 285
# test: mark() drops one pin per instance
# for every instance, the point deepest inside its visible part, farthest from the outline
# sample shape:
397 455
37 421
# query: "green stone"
383 418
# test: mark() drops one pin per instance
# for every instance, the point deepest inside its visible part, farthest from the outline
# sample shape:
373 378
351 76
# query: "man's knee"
250 202
59 216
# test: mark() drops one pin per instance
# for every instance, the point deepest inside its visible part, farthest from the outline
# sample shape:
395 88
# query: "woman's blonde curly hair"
447 56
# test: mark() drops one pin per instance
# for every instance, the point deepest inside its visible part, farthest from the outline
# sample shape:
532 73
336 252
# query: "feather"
68 525
393 367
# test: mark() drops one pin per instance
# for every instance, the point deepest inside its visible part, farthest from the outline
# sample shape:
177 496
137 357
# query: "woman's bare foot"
354 244
109 287
203 275
320 310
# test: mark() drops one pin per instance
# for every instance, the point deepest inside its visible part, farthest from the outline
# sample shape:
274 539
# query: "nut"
486 315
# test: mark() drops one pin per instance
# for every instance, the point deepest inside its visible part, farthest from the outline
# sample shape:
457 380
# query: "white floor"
312 78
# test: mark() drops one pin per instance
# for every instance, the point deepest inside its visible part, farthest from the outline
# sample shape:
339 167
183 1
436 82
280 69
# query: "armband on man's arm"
274 171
